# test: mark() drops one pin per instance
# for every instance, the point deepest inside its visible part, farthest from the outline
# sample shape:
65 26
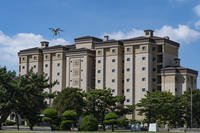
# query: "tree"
69 99
89 123
31 96
69 117
98 103
7 93
111 119
161 107
50 116
186 103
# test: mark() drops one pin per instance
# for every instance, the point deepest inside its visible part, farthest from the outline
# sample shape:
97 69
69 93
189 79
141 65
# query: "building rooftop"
179 69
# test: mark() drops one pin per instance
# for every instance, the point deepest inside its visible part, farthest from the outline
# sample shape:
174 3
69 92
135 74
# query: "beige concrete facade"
131 67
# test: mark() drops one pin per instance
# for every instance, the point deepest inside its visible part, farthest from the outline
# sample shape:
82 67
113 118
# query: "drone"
56 31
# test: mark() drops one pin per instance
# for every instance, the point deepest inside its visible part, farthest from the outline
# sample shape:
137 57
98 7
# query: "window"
99 61
113 80
127 90
46 74
143 79
34 57
143 68
34 66
99 51
143 58
143 89
113 90
58 83
143 48
113 70
127 100
128 49
127 79
99 71
58 74
153 48
154 69
23 58
113 60
113 50
58 55
153 79
23 67
99 81
58 64
46 65
81 70
128 69
128 59
46 56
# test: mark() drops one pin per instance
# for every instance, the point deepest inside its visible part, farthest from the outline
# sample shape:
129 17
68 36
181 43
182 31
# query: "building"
130 67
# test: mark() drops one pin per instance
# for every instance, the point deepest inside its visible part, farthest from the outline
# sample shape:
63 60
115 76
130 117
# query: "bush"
123 122
89 123
50 116
66 124
111 119
49 112
69 115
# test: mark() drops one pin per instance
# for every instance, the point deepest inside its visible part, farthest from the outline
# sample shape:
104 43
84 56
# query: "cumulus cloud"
197 24
10 45
122 35
181 33
197 10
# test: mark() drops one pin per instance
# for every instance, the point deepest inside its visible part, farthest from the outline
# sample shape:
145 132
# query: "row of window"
58 64
128 90
127 80
128 59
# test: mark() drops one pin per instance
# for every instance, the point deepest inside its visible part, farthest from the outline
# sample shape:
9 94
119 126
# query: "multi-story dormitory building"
130 67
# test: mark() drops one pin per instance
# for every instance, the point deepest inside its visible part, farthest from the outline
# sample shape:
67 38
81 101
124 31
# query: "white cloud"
197 10
10 45
197 24
121 35
181 33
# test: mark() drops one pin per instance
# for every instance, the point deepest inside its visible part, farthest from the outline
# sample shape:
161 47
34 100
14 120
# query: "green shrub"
69 115
89 123
49 112
66 124
111 119
122 121
50 116
47 119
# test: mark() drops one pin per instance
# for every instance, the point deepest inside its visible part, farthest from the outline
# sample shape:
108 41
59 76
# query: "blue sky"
25 23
